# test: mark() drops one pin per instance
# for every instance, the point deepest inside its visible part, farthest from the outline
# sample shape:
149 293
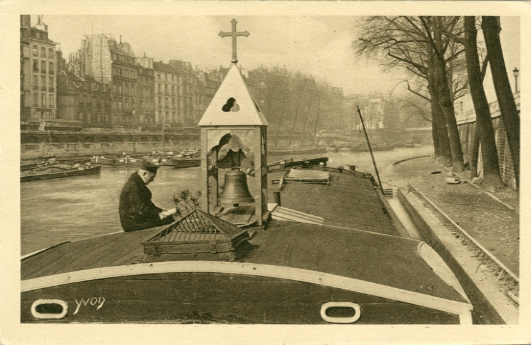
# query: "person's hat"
149 166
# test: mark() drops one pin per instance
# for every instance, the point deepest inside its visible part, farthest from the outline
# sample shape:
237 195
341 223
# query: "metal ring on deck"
331 319
49 303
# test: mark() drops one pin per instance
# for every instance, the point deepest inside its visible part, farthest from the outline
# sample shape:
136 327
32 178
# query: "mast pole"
163 121
370 149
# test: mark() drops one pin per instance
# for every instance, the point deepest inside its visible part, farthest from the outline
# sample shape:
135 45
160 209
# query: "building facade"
166 87
185 92
38 70
125 73
110 63
145 99
83 99
25 68
198 95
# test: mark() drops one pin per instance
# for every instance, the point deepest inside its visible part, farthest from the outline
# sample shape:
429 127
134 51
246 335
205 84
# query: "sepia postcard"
264 172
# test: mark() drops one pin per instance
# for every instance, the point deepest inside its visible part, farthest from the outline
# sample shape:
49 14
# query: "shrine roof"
233 86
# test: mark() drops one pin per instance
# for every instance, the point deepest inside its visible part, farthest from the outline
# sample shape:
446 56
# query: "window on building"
52 101
43 100
121 72
43 82
51 69
35 99
35 51
43 66
50 53
43 51
50 82
35 81
35 66
165 89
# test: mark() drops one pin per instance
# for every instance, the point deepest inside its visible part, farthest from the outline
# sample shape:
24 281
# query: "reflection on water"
68 209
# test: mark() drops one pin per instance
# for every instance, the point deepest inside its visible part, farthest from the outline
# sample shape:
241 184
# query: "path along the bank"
489 221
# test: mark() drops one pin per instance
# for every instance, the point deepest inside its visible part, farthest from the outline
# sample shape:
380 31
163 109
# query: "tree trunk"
435 136
445 153
281 119
293 125
445 95
474 154
445 99
317 115
484 128
502 86
305 122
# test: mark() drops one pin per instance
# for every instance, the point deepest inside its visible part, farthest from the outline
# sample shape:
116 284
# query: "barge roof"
356 240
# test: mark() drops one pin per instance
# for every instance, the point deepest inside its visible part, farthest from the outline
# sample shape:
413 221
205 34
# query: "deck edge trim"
290 273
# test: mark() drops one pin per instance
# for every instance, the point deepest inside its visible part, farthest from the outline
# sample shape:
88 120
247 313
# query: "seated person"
137 211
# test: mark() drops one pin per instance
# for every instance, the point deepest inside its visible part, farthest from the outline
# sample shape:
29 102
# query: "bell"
236 190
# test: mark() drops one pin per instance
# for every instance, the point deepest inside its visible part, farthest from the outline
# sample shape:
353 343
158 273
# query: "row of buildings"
105 85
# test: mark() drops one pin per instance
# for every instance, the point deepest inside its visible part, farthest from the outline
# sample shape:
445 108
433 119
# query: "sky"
317 45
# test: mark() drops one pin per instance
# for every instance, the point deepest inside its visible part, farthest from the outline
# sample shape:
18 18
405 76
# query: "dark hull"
104 161
296 152
183 163
124 161
191 297
59 174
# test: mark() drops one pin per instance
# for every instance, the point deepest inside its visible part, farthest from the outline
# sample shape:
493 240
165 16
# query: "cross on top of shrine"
234 34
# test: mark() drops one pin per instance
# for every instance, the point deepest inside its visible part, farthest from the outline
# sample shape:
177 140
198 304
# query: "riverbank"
490 221
470 228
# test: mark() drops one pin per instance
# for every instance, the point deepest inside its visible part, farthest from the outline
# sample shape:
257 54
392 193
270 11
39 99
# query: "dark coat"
137 211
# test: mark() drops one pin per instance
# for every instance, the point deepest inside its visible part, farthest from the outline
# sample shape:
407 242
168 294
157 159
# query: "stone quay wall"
67 144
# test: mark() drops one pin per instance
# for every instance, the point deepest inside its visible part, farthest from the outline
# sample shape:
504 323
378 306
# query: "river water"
69 209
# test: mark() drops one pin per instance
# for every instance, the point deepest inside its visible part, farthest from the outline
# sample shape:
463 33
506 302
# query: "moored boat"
296 150
336 258
102 160
59 171
182 162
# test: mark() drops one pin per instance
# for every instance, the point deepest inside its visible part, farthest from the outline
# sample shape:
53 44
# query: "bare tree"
424 47
502 86
436 29
484 127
